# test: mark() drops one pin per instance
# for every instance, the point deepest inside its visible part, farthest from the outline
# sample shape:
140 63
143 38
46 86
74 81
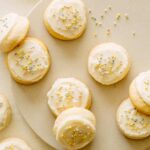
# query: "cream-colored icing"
75 132
14 144
6 24
67 18
29 61
142 84
132 122
107 62
66 93
76 111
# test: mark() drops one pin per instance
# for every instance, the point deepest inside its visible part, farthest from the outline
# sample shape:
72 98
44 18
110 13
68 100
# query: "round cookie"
65 20
108 63
75 128
133 124
66 93
14 144
29 62
13 29
140 92
5 112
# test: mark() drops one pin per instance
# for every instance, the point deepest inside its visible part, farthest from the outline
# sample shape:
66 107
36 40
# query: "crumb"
118 16
126 16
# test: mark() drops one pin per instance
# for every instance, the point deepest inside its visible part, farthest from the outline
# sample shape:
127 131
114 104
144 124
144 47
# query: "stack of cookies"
69 100
28 59
133 114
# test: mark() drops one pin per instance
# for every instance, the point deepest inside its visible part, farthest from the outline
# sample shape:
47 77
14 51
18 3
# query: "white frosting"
66 17
29 61
76 111
133 123
6 24
75 132
14 144
4 108
108 63
74 129
142 83
67 93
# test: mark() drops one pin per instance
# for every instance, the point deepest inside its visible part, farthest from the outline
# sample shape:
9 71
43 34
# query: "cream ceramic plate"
69 59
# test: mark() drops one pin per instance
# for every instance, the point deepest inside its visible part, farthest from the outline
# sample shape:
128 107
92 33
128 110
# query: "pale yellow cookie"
108 63
13 29
14 144
66 93
29 62
133 124
5 112
75 128
65 19
140 92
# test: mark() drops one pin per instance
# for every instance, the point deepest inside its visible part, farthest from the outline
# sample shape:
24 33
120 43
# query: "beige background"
70 59
18 127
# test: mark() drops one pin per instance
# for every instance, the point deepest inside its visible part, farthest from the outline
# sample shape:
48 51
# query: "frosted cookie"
29 62
133 124
66 93
65 19
108 63
5 112
75 128
140 92
13 29
14 144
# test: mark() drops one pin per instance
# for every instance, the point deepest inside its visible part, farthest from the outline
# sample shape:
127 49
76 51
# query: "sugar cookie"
65 20
13 29
5 112
66 93
108 63
75 128
14 144
140 92
29 62
133 124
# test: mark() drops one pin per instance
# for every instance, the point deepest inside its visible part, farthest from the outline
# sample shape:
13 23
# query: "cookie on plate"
108 63
75 128
5 112
13 29
133 124
65 20
140 92
29 62
14 144
66 93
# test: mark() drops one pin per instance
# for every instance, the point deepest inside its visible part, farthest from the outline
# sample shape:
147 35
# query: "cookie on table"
13 29
66 19
108 63
29 62
133 124
5 112
66 93
140 92
75 128
14 144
